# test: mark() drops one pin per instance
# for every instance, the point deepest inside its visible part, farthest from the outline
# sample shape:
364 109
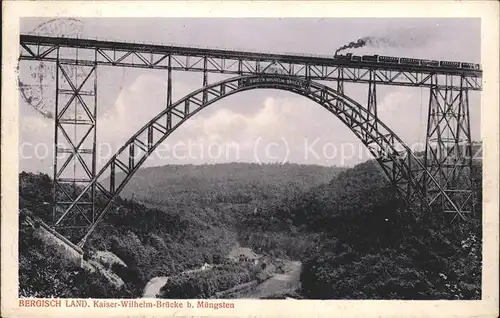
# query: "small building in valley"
244 254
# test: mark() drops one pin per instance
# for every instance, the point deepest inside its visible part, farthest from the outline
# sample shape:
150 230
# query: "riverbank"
156 283
278 284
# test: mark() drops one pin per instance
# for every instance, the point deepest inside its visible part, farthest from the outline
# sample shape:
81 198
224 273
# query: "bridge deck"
239 62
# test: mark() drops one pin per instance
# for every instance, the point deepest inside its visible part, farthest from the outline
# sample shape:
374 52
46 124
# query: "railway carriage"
409 61
470 66
369 58
388 59
449 64
406 61
430 63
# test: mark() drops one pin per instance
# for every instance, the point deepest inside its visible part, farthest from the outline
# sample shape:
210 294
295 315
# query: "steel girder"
372 98
75 136
194 59
395 158
448 153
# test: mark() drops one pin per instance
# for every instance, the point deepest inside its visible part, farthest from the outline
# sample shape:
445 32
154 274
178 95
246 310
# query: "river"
156 283
153 286
276 285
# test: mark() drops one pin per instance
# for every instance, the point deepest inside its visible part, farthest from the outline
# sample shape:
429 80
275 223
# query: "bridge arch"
403 169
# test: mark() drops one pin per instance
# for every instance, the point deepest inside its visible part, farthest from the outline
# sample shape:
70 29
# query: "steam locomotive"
407 61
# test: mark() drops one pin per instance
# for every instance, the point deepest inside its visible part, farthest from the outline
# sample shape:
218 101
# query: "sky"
256 126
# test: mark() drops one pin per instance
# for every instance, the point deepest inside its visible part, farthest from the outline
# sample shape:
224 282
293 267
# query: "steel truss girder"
395 158
239 62
81 102
448 152
372 98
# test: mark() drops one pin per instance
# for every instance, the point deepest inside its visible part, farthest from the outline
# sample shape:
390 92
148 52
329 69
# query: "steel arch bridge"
439 180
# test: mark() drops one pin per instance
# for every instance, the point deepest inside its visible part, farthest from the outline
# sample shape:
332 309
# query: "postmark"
35 89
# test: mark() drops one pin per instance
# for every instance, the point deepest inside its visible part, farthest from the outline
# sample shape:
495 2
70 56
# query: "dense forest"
376 252
342 224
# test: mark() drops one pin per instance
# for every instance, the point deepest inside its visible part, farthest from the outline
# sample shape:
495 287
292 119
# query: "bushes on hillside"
349 275
425 265
392 255
281 244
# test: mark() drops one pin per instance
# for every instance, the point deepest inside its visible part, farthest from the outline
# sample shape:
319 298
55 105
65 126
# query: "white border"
488 11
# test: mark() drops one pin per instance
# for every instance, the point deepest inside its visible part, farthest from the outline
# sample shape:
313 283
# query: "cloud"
224 122
272 118
395 101
409 37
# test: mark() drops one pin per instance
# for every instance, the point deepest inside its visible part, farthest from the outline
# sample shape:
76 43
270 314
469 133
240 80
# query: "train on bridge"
407 61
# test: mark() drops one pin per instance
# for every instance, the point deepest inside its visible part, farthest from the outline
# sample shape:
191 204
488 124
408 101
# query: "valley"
255 231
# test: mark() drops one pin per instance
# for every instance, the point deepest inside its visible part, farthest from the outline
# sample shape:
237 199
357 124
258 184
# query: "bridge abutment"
51 238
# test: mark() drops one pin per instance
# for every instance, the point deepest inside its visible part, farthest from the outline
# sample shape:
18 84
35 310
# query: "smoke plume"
359 43
410 37
372 41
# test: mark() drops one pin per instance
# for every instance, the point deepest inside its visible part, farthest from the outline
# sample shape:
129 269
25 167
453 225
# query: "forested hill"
235 183
341 224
